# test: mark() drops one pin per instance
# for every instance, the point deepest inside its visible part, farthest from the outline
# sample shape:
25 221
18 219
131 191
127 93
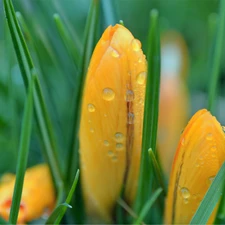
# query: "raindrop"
115 54
110 153
141 77
185 192
119 146
118 136
130 119
186 201
108 94
210 179
129 95
91 108
92 130
136 45
114 158
213 148
106 143
209 137
183 142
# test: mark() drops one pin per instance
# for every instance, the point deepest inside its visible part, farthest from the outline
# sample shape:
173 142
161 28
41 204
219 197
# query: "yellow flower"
38 196
199 156
174 101
111 121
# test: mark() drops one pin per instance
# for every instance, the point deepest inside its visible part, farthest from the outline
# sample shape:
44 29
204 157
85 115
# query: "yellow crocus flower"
174 99
38 195
199 156
111 121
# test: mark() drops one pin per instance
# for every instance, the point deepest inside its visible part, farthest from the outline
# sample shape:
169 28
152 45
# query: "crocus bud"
38 195
174 100
199 156
111 121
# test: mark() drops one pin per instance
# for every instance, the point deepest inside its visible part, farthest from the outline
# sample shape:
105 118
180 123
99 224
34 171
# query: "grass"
53 64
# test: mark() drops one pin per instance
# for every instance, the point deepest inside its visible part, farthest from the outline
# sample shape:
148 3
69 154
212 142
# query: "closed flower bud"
38 196
199 156
174 101
111 121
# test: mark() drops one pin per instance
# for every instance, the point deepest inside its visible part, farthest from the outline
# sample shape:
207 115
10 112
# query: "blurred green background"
195 20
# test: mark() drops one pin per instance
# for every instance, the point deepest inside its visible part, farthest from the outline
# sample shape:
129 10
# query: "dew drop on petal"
185 192
130 118
119 146
108 94
114 158
136 45
106 143
213 148
91 108
110 153
210 179
141 77
209 137
118 136
183 142
92 130
115 54
129 95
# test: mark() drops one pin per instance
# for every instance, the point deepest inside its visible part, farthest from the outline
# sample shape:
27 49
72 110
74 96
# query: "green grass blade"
43 119
216 56
109 13
2 221
55 214
67 39
150 113
211 198
90 31
148 206
69 197
157 170
23 153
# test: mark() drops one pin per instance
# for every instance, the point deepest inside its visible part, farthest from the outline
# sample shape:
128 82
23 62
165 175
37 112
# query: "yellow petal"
37 196
111 121
174 101
199 156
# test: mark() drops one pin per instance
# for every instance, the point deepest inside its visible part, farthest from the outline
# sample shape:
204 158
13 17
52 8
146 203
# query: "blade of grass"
67 39
23 152
210 199
215 64
43 119
73 157
150 113
69 197
2 221
157 170
148 206
109 13
55 214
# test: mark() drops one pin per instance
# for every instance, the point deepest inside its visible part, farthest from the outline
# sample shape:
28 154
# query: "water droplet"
105 115
89 121
130 118
115 54
209 137
114 158
136 45
91 108
141 77
119 146
183 142
210 179
129 95
197 165
186 201
106 143
108 94
92 130
110 153
185 192
213 148
223 128
118 136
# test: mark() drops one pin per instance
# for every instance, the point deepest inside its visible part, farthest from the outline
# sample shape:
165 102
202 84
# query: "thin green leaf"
2 221
214 68
67 39
148 206
23 152
43 119
69 197
150 113
109 13
211 198
157 170
55 214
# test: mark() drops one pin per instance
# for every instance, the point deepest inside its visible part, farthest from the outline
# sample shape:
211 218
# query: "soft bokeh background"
193 19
